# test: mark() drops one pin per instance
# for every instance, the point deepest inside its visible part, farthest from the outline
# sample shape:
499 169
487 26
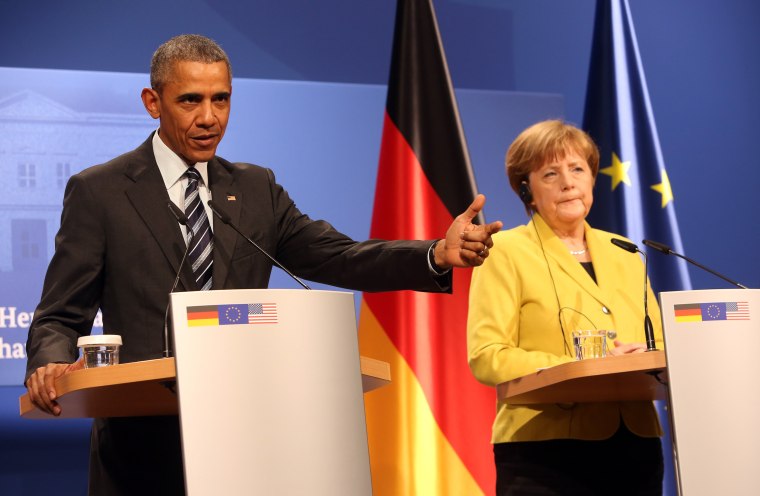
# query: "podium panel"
711 343
270 393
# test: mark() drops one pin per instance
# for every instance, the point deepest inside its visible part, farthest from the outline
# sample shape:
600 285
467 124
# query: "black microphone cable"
224 217
565 345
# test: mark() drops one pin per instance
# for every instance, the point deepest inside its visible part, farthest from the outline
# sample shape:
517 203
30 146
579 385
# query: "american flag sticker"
262 313
737 310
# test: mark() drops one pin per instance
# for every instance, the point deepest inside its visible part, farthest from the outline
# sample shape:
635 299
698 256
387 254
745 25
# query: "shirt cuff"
434 269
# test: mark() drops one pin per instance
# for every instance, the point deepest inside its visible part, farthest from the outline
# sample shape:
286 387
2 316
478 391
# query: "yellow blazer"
513 326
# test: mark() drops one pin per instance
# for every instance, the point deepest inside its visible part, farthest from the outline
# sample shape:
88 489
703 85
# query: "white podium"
270 393
712 340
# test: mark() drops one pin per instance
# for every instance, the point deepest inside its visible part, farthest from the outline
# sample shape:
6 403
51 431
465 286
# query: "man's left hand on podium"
41 385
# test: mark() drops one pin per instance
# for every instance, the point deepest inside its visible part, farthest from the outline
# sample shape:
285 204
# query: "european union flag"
633 195
713 311
233 314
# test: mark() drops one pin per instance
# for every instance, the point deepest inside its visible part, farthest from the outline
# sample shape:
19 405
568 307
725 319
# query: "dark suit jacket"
119 249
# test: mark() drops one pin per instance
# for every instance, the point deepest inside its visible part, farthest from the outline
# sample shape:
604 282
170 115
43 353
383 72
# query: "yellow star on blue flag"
618 171
664 189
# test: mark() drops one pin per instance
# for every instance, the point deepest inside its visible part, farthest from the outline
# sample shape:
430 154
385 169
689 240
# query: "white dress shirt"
172 168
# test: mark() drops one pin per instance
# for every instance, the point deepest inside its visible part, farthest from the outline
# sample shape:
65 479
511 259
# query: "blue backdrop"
699 56
319 127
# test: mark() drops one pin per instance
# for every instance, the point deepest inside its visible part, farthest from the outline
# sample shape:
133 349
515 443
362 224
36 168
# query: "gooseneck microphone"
224 217
182 219
667 251
627 246
648 327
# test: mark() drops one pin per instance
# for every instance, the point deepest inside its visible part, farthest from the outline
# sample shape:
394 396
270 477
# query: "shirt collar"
171 166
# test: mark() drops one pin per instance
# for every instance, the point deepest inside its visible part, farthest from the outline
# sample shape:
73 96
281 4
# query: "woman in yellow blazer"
543 281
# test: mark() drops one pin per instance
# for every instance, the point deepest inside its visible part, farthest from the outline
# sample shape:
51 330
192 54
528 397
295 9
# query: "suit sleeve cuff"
434 269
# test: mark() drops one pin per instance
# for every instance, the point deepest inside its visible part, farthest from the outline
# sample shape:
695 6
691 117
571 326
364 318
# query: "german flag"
429 431
688 312
207 315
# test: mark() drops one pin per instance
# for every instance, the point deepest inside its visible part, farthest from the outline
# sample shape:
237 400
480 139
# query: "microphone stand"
182 219
224 217
667 251
648 327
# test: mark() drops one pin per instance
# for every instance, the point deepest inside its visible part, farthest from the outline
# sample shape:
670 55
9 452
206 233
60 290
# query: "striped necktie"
203 240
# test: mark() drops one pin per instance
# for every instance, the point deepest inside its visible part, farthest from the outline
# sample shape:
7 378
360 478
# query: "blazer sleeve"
72 287
496 317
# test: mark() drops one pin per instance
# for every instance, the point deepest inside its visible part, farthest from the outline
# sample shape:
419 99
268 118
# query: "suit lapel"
148 196
229 198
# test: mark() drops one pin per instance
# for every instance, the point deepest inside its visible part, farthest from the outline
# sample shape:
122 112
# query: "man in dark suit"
119 248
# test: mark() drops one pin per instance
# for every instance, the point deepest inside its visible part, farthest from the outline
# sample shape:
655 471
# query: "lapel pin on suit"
231 198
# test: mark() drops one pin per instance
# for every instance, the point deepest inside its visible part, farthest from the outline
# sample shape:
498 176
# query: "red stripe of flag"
202 315
688 311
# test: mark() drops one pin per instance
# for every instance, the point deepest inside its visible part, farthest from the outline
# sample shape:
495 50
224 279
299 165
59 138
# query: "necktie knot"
193 174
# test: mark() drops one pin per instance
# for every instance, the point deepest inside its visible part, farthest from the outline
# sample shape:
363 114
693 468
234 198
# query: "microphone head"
658 246
626 245
178 214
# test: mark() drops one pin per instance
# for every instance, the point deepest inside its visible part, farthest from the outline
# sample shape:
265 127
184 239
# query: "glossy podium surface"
633 377
138 389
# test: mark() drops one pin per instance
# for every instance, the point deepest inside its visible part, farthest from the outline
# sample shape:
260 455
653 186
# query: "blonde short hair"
545 141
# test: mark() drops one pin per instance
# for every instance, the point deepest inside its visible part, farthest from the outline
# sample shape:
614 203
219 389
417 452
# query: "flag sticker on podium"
207 315
235 314
703 312
262 313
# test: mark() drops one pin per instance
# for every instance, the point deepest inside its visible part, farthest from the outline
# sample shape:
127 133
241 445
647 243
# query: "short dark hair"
185 47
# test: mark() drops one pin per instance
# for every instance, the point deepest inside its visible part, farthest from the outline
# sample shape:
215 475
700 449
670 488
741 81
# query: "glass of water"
100 350
590 344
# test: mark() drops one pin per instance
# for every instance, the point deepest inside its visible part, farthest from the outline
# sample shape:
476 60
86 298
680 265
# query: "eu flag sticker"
233 314
713 311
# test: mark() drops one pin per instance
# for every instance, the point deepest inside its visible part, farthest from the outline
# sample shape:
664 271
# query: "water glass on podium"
590 344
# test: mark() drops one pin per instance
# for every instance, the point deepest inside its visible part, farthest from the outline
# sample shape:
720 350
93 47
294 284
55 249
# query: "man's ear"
152 102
